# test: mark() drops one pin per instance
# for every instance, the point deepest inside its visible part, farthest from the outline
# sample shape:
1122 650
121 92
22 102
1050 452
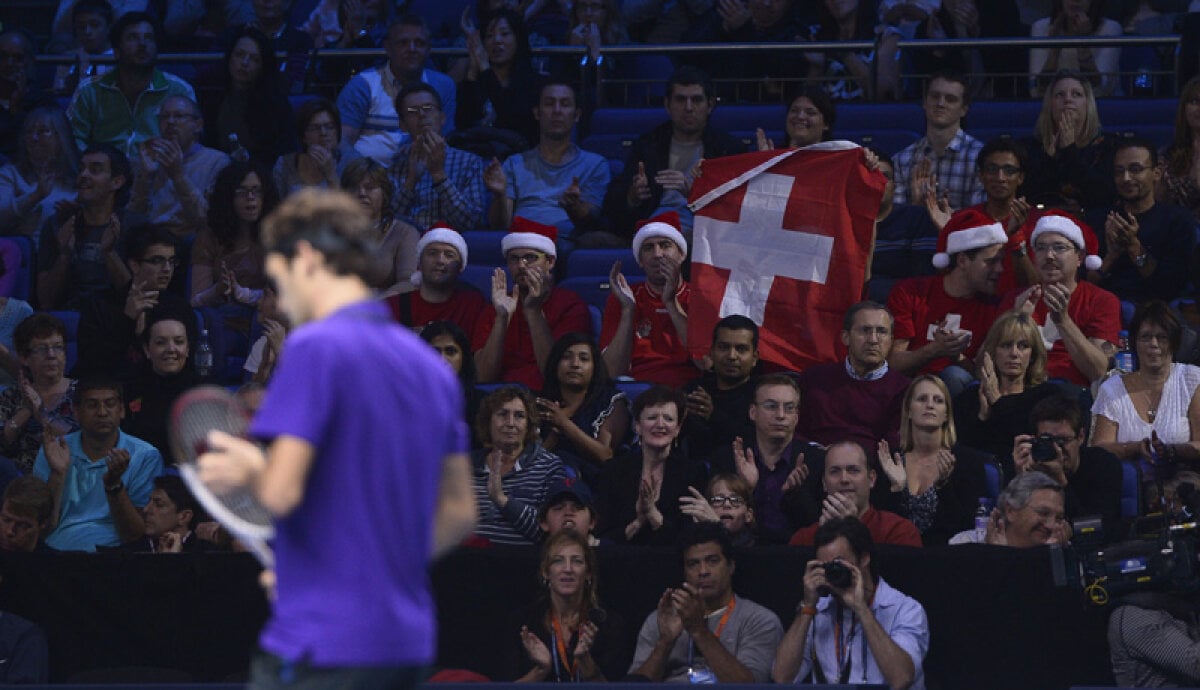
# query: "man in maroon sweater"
857 399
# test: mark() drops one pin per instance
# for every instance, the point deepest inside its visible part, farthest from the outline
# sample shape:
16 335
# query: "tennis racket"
194 414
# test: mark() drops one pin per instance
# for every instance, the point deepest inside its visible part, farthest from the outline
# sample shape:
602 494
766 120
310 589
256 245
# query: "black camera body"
837 575
1044 448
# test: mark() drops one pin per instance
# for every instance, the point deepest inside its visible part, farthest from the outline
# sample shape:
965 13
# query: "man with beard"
121 108
1079 321
645 326
660 161
175 173
440 295
534 315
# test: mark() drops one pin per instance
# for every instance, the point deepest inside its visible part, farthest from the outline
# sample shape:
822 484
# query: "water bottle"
236 151
204 356
1124 357
982 516
1143 84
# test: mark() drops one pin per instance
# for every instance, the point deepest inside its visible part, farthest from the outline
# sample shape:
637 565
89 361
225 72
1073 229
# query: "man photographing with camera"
1089 476
852 627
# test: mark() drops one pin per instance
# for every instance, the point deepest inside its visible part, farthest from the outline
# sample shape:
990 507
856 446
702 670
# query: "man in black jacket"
659 171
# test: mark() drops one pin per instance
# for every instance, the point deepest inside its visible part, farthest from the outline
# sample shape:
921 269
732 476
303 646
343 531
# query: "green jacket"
100 113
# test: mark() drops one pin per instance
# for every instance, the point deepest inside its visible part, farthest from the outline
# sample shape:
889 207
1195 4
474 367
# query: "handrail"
641 49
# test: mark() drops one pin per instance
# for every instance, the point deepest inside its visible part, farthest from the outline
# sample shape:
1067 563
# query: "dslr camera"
1044 448
837 575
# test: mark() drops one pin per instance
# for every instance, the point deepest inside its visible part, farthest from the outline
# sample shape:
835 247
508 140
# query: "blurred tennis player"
365 469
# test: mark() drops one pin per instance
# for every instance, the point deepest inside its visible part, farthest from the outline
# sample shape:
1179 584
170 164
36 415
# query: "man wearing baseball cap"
569 505
645 325
534 314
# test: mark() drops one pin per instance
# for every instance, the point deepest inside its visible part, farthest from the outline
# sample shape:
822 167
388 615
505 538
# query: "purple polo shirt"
382 410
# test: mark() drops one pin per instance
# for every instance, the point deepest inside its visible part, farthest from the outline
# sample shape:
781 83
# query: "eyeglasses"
160 261
420 109
1059 440
249 192
994 169
731 501
1057 249
528 258
773 407
1133 169
1049 515
43 350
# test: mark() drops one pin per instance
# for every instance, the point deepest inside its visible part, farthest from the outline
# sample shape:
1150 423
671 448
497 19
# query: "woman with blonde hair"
42 176
565 636
1012 379
1070 158
931 480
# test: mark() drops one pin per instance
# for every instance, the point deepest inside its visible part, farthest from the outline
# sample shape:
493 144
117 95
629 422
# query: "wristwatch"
1140 259
115 489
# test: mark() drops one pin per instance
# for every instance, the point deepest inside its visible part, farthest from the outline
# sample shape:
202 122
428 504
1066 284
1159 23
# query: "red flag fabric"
782 237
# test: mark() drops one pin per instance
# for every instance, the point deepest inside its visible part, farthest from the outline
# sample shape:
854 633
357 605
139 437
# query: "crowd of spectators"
986 341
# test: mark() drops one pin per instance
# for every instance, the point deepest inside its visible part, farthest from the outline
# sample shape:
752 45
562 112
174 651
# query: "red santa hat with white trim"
966 230
663 225
530 234
440 232
1073 229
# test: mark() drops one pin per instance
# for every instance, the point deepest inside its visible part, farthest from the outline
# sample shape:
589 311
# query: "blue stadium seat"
479 276
598 262
632 389
995 479
483 247
71 320
627 122
593 289
597 315
23 288
1131 489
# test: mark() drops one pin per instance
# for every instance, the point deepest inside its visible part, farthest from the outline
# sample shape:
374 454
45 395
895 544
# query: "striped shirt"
526 486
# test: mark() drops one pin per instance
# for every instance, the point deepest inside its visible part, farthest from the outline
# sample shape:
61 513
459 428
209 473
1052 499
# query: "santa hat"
663 225
440 232
966 230
1073 229
530 234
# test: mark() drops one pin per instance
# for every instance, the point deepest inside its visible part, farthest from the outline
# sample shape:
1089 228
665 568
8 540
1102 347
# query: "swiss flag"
782 237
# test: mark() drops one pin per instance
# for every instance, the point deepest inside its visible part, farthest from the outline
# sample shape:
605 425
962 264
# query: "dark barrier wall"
997 620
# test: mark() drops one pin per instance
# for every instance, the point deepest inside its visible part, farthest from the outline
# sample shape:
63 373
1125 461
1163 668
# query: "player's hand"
230 463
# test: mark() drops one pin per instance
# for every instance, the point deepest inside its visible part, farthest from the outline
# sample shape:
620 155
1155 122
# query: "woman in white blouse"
41 177
1152 414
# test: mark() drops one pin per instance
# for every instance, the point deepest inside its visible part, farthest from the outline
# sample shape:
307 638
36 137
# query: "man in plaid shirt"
942 161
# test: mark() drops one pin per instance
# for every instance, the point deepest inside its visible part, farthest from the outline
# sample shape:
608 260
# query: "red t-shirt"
1008 279
565 312
885 528
467 309
1095 310
919 304
658 354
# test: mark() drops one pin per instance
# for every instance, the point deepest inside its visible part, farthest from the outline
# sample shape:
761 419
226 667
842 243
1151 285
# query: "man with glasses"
1090 477
111 323
175 173
100 477
434 181
1078 320
1028 513
1146 245
370 122
534 314
775 464
121 108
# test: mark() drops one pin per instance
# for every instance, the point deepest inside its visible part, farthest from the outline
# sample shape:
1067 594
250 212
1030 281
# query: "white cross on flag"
783 238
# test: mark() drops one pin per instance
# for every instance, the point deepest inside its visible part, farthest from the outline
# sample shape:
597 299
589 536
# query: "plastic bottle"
1123 360
982 516
204 356
236 151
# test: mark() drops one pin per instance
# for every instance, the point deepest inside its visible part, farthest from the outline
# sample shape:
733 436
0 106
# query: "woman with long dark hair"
251 102
499 90
227 259
584 418
455 347
1181 174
